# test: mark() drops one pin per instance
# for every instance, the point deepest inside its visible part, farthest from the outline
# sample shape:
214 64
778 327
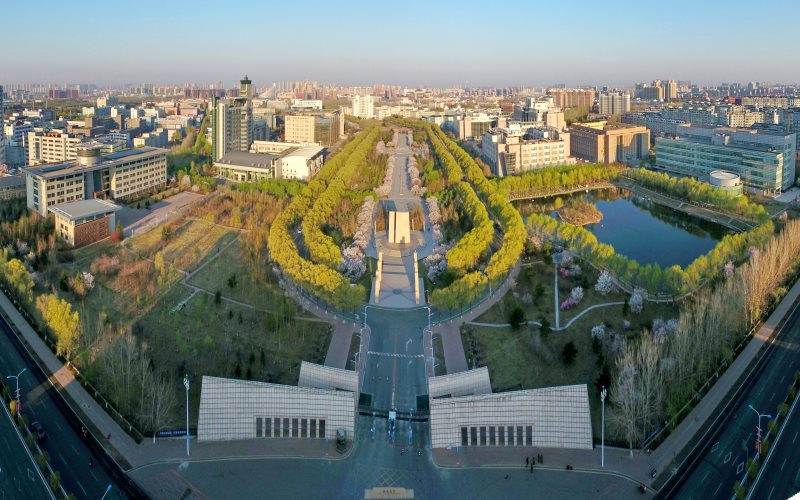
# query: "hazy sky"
434 43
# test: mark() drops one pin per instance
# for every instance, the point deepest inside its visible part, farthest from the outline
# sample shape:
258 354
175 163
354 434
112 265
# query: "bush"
217 297
54 480
42 459
517 317
568 353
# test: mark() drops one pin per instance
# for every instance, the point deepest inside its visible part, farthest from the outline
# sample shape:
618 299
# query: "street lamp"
106 493
186 384
16 377
603 394
429 318
758 436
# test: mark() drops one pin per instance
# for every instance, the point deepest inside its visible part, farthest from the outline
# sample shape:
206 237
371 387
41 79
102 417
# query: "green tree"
177 136
568 353
62 321
544 327
517 317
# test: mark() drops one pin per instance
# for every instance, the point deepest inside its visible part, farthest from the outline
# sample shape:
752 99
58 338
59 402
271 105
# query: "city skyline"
414 44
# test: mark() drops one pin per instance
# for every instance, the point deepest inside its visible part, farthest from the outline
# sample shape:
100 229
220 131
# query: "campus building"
85 221
115 176
52 146
465 412
514 149
763 159
363 106
323 402
12 186
604 142
272 160
232 121
322 127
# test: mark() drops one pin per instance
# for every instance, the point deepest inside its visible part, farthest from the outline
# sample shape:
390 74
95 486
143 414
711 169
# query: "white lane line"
795 437
705 477
773 396
94 475
770 492
718 487
784 463
781 381
82 488
75 450
62 458
58 425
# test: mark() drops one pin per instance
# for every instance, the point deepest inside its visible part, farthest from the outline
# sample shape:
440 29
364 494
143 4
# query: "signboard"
171 433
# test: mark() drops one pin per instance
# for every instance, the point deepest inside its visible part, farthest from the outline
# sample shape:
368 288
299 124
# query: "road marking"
718 487
728 457
770 492
94 475
781 381
58 425
795 437
773 395
705 477
75 450
740 468
62 458
784 463
82 488
714 448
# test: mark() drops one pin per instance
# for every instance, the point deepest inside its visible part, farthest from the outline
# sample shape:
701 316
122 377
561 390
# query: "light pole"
603 394
429 318
106 493
16 377
186 384
759 431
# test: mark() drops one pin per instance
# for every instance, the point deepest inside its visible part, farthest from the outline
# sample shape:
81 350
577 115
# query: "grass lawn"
228 340
258 288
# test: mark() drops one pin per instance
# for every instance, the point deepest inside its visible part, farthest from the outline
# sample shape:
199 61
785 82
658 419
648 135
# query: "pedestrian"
506 476
90 461
531 468
527 461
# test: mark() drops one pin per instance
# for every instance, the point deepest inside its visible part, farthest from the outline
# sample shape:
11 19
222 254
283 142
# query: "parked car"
38 430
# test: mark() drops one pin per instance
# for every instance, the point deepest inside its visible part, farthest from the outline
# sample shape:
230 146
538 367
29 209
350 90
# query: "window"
294 427
258 427
267 427
501 435
277 427
313 432
285 427
321 428
464 439
303 427
473 434
511 435
519 435
529 435
483 435
491 436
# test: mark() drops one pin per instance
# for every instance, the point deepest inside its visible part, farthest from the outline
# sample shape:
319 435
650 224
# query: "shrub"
517 317
568 353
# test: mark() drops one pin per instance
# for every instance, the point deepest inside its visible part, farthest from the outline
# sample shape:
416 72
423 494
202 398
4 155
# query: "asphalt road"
18 476
69 454
733 443
780 477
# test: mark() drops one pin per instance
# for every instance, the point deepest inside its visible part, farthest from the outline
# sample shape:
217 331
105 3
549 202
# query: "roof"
9 181
80 209
244 159
304 151
48 170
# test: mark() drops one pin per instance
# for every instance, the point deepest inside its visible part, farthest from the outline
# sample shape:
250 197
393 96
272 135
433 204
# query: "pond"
639 228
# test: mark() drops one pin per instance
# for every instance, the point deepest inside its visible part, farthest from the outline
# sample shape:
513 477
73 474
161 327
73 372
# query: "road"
69 454
18 476
780 477
722 462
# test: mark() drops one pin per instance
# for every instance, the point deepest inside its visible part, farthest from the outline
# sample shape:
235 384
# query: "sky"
410 43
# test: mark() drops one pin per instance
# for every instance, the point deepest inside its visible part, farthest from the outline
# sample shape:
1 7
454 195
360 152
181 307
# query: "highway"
68 452
780 477
725 455
18 475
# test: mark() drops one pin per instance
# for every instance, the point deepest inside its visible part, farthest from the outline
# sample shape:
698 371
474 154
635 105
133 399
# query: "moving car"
38 430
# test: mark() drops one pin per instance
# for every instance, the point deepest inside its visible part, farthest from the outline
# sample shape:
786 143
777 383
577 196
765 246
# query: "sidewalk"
339 347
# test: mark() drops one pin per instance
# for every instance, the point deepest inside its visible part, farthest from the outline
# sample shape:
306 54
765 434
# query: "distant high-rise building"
2 130
614 103
570 98
232 122
671 90
363 106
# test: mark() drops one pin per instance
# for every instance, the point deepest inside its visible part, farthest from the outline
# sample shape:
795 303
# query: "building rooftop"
10 181
48 170
244 159
81 209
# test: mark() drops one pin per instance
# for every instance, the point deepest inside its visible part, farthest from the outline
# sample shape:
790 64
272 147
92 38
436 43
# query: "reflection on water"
640 229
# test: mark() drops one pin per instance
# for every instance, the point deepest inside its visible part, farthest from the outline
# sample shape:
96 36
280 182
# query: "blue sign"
171 433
